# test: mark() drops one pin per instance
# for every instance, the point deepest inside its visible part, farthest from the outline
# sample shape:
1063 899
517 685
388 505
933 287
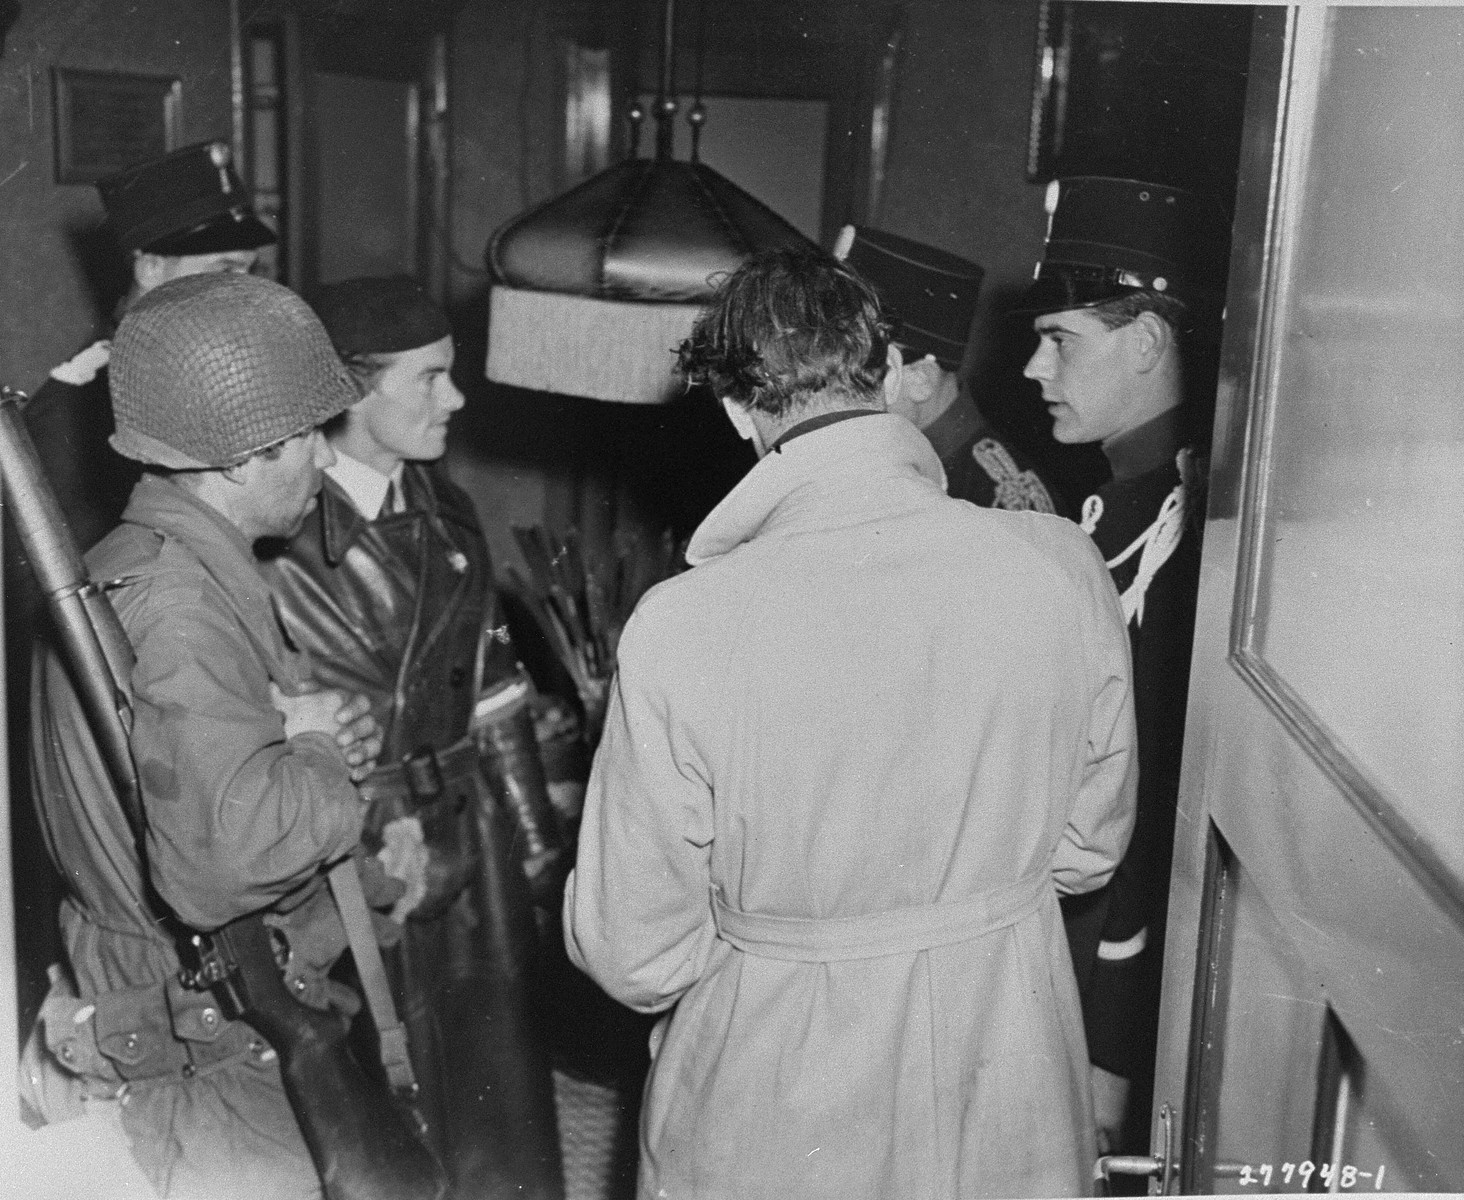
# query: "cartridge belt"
149 1032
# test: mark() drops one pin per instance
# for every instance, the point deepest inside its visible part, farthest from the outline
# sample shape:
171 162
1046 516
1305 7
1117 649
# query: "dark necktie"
393 503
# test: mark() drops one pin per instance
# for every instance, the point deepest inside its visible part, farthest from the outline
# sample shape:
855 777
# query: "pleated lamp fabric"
596 288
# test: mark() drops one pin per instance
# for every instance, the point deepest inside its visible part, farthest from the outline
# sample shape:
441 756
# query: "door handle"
1164 1167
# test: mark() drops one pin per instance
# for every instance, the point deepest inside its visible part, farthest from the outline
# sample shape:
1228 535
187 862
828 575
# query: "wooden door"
365 149
1313 1033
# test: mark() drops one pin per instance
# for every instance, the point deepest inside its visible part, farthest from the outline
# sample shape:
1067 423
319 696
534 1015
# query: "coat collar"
838 475
341 522
159 503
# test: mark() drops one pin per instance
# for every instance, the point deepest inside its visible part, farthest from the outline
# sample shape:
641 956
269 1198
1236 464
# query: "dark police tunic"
69 418
984 468
1147 523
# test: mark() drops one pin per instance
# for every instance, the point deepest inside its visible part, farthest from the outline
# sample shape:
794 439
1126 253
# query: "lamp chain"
697 116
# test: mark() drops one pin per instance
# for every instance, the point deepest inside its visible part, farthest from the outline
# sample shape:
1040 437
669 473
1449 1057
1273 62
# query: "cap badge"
218 154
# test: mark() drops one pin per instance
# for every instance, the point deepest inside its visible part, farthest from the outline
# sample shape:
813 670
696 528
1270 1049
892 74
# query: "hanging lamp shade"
595 289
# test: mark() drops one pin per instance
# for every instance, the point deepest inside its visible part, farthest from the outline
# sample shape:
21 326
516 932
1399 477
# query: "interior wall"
956 178
513 450
59 279
54 287
956 175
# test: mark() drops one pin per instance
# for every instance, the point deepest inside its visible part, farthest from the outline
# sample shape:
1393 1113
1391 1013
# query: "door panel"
1268 1010
366 176
1319 1017
358 120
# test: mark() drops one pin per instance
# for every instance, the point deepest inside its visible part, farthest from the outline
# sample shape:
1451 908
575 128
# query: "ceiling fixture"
595 289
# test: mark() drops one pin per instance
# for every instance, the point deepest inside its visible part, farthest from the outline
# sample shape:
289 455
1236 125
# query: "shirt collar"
365 486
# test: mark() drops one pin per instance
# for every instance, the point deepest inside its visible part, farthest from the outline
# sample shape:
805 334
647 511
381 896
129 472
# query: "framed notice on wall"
108 120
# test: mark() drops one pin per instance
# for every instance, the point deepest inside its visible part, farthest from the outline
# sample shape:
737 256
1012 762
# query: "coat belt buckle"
423 773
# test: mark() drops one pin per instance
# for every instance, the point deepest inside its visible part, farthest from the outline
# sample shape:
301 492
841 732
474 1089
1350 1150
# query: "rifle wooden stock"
92 638
364 1146
362 1142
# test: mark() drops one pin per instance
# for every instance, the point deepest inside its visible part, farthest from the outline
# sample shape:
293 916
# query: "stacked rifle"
582 602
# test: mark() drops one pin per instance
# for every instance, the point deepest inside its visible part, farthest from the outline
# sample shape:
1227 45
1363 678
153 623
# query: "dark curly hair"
785 327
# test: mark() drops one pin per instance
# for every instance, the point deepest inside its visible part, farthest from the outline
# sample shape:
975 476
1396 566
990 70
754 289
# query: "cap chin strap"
1093 273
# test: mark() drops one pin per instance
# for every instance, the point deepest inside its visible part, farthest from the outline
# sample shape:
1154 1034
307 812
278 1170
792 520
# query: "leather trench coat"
403 609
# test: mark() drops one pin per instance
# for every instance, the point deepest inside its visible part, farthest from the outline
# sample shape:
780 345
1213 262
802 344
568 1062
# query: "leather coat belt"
424 775
875 935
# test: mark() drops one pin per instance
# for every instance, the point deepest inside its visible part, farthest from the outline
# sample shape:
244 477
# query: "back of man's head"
787 329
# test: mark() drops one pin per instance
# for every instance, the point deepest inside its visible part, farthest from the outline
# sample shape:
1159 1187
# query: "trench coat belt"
874 935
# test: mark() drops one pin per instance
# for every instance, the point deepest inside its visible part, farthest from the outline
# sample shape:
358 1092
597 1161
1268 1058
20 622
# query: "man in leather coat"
389 590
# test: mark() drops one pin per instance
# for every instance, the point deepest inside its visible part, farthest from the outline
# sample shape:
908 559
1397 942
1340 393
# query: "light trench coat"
850 760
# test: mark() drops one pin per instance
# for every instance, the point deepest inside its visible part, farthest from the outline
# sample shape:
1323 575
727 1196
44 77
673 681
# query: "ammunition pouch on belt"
157 1031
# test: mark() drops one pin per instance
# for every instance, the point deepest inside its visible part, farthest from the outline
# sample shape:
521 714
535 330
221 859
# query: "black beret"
379 314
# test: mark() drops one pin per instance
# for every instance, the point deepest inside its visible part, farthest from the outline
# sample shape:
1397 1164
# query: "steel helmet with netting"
208 370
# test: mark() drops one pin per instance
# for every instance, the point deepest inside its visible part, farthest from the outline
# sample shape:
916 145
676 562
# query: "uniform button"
129 1043
210 1017
189 1070
299 985
65 1053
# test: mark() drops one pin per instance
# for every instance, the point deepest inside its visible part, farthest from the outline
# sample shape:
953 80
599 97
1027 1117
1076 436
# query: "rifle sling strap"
345 886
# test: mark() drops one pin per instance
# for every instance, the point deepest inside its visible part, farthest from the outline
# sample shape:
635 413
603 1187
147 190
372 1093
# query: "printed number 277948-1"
1300 1175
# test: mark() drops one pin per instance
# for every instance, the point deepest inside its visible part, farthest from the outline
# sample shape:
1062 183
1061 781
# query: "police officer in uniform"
1126 305
185 213
389 589
933 295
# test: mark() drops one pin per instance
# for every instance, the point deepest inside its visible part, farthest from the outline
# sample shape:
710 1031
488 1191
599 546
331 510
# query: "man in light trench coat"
851 760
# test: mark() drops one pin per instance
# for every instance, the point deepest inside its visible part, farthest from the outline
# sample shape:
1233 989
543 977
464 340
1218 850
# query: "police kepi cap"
1109 237
931 293
188 202
379 314
208 370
